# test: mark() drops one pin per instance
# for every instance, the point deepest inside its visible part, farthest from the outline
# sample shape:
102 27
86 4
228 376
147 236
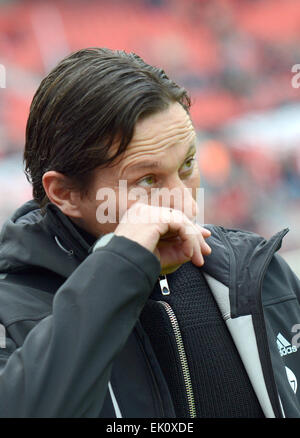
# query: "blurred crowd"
235 58
252 189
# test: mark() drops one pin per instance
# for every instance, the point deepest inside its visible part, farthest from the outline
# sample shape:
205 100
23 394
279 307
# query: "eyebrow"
156 164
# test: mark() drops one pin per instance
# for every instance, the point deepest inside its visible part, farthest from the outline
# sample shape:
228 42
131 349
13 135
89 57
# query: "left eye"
147 181
188 165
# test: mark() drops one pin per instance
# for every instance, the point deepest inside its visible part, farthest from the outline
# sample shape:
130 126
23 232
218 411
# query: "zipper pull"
165 290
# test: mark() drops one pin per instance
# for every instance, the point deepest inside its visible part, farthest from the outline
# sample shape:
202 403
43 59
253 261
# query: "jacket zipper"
267 364
232 271
260 314
180 348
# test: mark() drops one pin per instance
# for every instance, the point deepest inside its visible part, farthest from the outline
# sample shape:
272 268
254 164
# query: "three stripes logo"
284 346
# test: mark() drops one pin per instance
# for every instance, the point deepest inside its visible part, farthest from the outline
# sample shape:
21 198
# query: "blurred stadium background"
235 57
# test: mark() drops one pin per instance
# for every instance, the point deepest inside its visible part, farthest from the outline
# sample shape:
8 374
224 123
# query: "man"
133 318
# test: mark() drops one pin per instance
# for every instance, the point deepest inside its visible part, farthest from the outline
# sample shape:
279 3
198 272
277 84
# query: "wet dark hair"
92 98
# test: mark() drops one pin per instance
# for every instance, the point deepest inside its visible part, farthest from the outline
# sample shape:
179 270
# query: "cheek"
194 182
197 173
196 177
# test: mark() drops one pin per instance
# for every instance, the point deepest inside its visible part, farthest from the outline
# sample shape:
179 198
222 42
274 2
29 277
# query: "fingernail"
207 247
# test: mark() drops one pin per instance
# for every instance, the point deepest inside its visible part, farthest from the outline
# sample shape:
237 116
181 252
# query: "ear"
61 193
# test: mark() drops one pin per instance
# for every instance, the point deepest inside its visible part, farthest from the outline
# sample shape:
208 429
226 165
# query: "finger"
200 246
204 231
179 227
193 243
197 230
206 249
192 238
197 257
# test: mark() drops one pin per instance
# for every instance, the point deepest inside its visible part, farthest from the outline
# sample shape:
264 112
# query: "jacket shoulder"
25 299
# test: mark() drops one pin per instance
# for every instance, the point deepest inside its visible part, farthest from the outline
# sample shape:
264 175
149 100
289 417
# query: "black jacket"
71 344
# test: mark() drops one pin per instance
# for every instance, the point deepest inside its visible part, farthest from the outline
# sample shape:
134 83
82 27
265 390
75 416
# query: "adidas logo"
284 346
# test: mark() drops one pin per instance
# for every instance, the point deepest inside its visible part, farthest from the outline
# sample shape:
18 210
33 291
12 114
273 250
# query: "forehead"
158 135
162 127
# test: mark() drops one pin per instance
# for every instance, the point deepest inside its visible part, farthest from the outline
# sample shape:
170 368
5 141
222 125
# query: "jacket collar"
74 239
49 240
